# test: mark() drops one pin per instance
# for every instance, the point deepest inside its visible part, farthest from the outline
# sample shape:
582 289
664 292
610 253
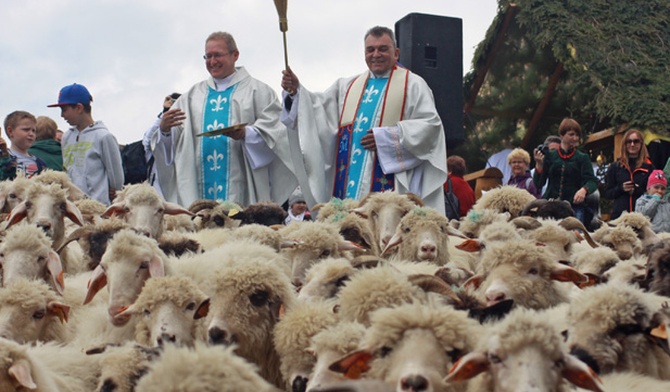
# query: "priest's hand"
237 135
172 118
289 82
368 141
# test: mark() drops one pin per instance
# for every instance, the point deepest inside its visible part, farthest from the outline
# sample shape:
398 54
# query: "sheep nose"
166 338
299 384
219 336
495 297
414 383
585 357
45 226
428 248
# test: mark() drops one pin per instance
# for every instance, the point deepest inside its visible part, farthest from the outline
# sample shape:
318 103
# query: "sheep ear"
55 268
175 209
114 209
156 267
98 281
563 273
348 245
202 310
393 242
20 370
578 373
73 213
470 245
58 309
360 212
353 365
17 215
475 281
467 367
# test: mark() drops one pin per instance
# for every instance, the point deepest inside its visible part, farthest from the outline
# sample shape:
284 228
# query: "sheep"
26 253
661 323
622 239
247 292
334 206
61 178
211 214
93 238
123 366
211 369
47 367
143 208
329 345
384 211
658 264
376 288
324 280
595 262
475 221
628 272
556 236
91 210
266 213
422 235
352 226
507 198
170 310
12 192
640 224
178 223
525 273
30 311
521 353
177 244
315 241
292 337
128 261
608 327
412 347
548 209
47 206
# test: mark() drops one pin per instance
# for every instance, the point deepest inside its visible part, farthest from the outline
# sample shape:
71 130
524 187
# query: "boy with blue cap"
91 153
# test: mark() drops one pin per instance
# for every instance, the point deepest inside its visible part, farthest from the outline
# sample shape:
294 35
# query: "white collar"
222 84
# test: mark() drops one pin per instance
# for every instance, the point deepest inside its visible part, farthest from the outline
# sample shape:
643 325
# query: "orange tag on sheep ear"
660 332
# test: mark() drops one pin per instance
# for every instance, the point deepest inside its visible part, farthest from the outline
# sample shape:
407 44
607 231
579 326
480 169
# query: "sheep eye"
384 351
39 259
147 312
126 210
219 220
29 204
454 354
259 298
144 265
160 211
12 195
374 214
560 363
190 306
39 314
494 358
341 281
325 253
406 229
564 333
63 207
533 271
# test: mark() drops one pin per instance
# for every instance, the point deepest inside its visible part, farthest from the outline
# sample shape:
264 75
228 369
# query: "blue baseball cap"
72 95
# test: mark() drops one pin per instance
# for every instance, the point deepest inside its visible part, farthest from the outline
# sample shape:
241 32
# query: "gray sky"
131 53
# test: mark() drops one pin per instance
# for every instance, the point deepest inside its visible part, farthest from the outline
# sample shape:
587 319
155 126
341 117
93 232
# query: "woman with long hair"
626 179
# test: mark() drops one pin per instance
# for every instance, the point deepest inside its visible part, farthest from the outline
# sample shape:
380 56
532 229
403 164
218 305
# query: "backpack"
451 203
134 163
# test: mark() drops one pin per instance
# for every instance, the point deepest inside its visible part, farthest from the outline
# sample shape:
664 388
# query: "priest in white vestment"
247 165
369 133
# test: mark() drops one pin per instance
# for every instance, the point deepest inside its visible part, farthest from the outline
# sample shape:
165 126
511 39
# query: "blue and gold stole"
362 102
215 150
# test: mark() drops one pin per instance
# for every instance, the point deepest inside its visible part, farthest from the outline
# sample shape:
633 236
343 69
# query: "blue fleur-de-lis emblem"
215 157
360 120
214 190
215 125
369 93
218 103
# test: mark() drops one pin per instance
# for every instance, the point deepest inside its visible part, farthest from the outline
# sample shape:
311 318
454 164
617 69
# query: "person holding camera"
568 171
626 179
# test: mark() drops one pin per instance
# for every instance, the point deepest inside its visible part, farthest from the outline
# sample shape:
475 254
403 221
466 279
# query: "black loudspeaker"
432 47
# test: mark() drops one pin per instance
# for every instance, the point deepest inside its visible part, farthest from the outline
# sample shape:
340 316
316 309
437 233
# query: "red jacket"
464 193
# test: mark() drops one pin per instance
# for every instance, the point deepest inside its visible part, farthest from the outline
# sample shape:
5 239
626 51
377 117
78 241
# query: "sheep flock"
381 294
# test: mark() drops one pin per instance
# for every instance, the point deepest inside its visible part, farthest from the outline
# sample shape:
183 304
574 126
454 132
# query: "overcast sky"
131 53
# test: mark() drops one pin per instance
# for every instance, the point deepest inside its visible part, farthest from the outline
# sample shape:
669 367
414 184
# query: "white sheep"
212 214
521 353
12 193
170 310
607 329
26 253
47 368
292 337
523 272
622 239
475 221
412 346
628 272
640 224
61 178
422 235
324 279
143 208
507 198
209 369
123 366
91 210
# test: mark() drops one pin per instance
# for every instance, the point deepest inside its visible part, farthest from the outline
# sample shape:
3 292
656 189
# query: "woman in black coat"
626 179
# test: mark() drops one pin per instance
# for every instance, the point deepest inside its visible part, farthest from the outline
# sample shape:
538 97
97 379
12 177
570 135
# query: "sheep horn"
572 223
533 205
202 204
74 236
526 222
433 284
366 261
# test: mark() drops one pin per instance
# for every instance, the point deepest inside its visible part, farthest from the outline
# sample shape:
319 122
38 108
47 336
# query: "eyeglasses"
633 141
210 56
